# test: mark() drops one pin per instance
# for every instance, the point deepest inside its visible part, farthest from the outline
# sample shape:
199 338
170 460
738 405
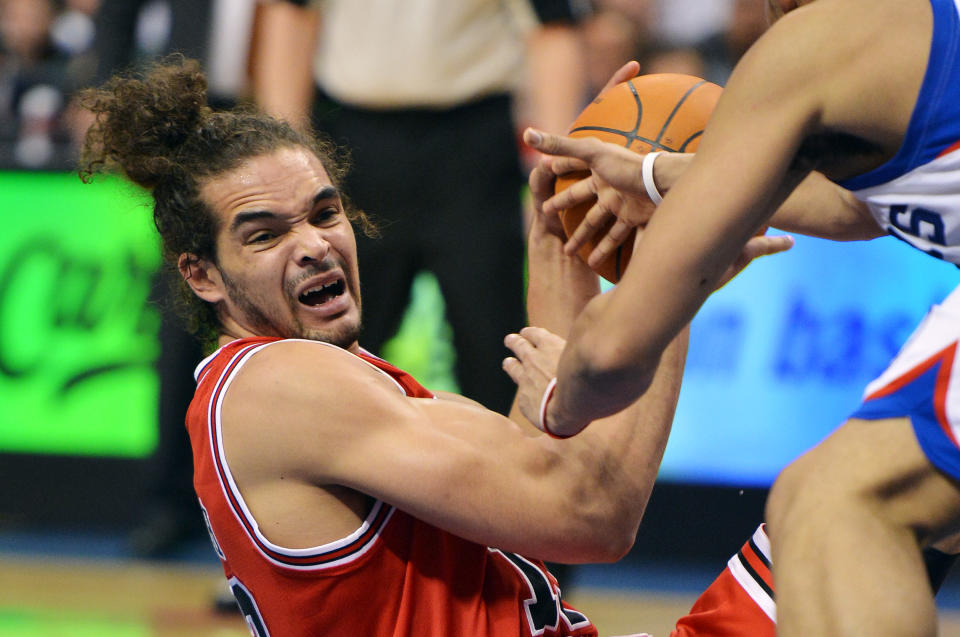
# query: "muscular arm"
811 72
308 413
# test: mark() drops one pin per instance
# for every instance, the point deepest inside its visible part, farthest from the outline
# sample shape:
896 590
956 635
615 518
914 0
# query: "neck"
226 337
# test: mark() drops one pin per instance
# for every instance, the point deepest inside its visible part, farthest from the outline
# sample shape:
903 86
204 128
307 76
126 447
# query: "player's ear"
202 276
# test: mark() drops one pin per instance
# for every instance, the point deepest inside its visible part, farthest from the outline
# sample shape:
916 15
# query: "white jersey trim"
217 449
746 580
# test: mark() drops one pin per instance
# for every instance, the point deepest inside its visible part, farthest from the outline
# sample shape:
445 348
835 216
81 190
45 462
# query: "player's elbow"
603 542
604 517
612 367
610 540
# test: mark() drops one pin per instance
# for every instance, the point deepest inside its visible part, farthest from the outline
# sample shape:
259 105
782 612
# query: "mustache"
325 265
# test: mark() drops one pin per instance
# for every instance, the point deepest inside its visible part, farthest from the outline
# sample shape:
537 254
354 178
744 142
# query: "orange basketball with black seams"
664 111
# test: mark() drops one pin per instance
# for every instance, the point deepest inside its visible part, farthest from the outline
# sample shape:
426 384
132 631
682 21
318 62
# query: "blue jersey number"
920 223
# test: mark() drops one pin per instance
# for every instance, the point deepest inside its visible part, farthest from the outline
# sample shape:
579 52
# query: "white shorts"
923 384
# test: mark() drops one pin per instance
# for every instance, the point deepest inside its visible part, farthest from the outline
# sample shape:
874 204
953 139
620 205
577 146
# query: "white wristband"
646 173
547 395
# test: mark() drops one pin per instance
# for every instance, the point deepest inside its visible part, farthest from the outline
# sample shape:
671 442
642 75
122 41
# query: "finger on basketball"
582 191
596 219
561 165
584 148
615 237
624 73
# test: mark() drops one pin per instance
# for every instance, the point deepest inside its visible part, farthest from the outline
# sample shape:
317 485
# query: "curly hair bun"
143 122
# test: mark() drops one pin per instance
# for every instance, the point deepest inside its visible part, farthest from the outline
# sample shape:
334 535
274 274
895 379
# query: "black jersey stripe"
753 574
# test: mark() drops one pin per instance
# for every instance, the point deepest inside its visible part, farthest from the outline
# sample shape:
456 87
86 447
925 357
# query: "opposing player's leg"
847 523
849 519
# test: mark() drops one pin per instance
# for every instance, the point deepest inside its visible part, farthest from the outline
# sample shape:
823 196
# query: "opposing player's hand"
536 353
543 176
617 166
759 246
621 213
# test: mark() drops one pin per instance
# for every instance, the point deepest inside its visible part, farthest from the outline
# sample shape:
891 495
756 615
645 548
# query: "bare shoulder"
300 401
285 365
846 65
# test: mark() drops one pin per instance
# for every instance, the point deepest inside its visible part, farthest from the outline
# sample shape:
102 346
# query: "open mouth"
321 294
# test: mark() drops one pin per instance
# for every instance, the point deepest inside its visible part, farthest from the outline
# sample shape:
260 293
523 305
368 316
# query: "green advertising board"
77 336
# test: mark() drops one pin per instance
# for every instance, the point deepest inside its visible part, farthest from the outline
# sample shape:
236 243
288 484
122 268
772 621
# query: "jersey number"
544 609
921 223
248 607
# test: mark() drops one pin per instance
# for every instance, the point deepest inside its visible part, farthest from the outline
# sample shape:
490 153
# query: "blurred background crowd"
50 48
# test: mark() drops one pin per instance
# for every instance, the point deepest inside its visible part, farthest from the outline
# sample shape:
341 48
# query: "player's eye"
261 236
326 215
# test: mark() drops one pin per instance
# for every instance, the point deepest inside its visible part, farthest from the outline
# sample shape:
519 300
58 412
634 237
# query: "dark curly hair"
157 129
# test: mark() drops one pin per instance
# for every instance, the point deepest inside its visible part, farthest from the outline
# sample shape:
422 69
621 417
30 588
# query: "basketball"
665 111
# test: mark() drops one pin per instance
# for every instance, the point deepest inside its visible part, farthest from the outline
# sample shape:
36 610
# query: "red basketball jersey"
394 576
740 601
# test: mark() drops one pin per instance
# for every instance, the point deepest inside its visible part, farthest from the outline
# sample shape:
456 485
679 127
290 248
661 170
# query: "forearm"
282 60
632 443
558 288
594 377
645 426
817 207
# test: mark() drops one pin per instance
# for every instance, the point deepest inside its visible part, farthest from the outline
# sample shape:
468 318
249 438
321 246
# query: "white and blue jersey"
916 197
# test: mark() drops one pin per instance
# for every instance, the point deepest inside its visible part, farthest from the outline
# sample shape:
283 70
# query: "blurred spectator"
664 38
33 85
721 51
611 38
216 32
686 22
664 57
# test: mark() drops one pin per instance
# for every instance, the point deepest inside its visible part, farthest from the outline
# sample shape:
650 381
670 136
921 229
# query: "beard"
256 311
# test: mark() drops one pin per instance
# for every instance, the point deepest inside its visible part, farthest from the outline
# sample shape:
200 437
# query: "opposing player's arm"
817 207
820 208
740 174
334 420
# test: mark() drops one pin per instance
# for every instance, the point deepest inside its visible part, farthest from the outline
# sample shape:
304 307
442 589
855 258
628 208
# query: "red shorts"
740 601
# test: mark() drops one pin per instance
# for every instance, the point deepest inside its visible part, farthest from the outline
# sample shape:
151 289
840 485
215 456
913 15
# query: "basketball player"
342 497
858 103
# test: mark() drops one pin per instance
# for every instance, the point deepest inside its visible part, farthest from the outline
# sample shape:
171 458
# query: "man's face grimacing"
286 252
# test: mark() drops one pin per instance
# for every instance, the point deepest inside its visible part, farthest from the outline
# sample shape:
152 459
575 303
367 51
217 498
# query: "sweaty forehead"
284 182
